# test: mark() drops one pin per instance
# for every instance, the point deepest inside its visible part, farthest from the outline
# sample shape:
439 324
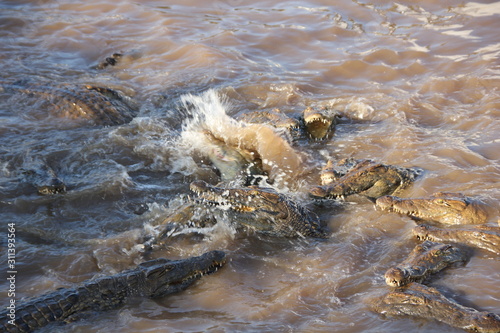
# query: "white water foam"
205 113
208 112
230 144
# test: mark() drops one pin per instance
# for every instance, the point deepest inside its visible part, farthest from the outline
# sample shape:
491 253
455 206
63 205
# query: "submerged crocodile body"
262 210
442 207
112 60
100 105
365 177
425 259
482 237
420 301
118 59
154 278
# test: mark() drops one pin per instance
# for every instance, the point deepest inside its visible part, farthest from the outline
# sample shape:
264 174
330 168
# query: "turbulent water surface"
417 84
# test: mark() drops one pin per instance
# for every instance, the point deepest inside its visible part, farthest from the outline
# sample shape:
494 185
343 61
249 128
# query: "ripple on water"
417 85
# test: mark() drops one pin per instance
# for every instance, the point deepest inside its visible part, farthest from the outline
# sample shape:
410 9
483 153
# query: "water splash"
208 111
231 145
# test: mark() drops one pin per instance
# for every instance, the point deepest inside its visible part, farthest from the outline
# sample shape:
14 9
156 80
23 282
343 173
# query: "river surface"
417 83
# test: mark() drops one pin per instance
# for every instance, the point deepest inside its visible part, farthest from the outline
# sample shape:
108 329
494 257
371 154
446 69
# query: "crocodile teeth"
317 119
223 204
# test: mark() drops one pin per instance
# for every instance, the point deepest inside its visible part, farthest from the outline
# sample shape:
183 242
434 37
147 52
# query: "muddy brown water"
418 84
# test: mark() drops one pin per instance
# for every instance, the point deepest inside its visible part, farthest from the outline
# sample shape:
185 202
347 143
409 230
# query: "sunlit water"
418 85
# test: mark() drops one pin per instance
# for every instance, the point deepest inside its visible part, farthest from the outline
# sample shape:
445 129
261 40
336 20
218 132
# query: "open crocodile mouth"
324 192
424 237
317 126
318 119
208 196
421 233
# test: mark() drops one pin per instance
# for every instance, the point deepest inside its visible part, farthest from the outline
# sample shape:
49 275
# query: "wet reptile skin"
99 105
155 278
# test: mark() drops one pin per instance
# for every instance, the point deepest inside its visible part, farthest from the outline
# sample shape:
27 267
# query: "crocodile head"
420 301
426 258
43 178
422 232
442 207
395 276
481 236
365 177
318 123
163 276
261 209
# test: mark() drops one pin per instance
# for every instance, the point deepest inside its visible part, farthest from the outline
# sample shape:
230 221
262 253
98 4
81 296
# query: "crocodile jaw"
172 276
317 123
224 199
396 277
449 208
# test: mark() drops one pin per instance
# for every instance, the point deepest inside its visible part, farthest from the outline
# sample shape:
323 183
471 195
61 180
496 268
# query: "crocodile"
96 104
425 259
153 279
112 60
118 59
329 173
482 236
186 218
332 172
262 209
43 178
442 207
421 301
319 124
365 177
314 124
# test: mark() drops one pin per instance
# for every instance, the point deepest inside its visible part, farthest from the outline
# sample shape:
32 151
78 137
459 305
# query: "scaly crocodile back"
103 106
69 303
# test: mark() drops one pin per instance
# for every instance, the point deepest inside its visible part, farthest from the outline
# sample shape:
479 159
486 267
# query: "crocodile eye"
437 253
447 248
441 202
410 299
254 192
489 316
